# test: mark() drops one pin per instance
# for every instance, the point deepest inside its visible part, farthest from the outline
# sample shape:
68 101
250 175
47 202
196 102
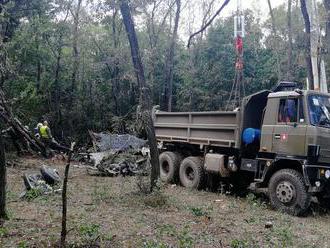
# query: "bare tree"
208 23
307 43
207 7
3 181
145 99
75 52
289 20
169 66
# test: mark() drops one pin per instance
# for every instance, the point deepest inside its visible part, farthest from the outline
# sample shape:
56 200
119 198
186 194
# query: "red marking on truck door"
284 137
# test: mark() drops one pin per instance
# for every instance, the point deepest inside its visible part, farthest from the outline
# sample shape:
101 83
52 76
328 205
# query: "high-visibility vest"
43 132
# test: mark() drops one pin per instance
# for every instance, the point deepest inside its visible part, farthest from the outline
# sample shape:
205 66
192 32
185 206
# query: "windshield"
319 110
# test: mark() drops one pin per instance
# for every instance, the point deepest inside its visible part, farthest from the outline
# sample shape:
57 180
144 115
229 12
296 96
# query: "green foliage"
22 244
285 236
105 97
185 240
198 211
183 237
33 193
255 202
89 232
154 244
3 232
239 243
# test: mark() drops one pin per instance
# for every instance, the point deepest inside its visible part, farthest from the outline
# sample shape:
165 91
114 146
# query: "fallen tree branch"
25 136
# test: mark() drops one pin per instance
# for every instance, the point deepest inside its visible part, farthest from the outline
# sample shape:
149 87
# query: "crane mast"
238 88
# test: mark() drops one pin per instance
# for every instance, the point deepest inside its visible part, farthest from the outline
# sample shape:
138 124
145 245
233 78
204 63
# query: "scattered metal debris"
115 155
125 164
41 184
106 141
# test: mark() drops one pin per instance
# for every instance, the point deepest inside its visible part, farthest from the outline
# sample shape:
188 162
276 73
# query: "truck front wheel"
191 172
288 193
169 166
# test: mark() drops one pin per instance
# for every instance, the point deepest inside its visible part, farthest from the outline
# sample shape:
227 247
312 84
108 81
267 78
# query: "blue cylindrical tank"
251 135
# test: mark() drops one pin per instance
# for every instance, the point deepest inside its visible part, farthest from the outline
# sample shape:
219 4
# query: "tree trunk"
278 62
327 8
64 199
38 76
57 89
169 66
3 181
115 79
75 54
308 58
145 100
289 19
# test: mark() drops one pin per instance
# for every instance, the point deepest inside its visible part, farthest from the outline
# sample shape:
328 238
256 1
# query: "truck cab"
295 123
293 158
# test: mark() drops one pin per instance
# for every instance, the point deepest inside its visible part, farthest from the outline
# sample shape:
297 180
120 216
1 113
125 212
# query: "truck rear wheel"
191 172
169 166
288 193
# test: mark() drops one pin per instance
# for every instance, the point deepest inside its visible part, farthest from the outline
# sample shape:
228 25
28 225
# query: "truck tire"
192 173
169 166
288 193
50 175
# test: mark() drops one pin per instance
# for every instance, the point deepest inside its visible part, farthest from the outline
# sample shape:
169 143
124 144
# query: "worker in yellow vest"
48 140
45 132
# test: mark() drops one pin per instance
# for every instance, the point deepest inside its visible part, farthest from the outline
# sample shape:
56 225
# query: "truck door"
289 133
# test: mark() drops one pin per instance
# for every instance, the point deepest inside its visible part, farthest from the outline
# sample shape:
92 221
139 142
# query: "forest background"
69 61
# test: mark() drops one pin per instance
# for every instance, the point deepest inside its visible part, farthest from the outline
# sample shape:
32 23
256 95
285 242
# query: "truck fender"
284 163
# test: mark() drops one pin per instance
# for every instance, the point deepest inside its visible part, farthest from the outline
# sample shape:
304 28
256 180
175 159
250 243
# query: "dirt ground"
110 212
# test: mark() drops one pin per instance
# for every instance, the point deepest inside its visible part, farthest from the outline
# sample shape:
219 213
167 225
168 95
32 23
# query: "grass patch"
22 244
33 194
255 202
3 232
100 194
89 234
156 199
285 236
185 240
183 237
154 244
198 211
239 243
168 230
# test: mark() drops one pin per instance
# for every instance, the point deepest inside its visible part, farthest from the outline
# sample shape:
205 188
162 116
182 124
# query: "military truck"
277 142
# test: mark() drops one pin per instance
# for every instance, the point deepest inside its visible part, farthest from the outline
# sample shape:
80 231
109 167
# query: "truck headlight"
327 174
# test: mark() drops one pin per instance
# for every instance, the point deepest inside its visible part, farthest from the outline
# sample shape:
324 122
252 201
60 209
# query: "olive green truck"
277 142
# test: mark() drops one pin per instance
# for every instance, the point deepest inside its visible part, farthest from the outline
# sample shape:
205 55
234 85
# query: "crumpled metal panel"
106 141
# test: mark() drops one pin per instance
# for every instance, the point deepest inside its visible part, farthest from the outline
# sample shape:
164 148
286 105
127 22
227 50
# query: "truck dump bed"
202 128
